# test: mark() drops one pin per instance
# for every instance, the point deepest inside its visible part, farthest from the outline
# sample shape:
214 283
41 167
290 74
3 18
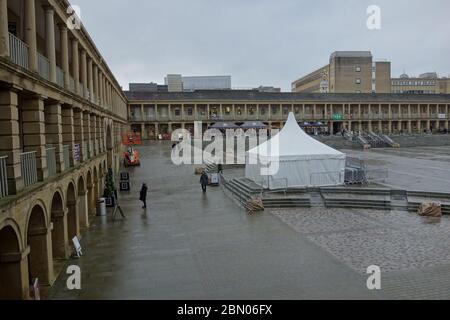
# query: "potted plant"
110 189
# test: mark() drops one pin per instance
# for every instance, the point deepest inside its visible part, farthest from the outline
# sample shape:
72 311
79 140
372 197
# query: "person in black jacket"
204 181
143 195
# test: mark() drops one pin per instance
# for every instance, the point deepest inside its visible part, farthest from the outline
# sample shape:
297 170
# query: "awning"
224 125
254 125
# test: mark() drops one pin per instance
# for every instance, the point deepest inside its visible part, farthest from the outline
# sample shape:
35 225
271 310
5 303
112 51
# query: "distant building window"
177 112
190 111
358 81
358 69
358 91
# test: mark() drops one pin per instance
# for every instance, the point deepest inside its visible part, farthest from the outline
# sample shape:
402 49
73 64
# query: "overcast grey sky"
262 42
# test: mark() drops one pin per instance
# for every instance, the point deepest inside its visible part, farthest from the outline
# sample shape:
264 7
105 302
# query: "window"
189 111
358 69
177 112
358 91
358 81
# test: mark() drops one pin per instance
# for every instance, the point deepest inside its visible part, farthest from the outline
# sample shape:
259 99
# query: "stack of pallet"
254 205
199 170
430 209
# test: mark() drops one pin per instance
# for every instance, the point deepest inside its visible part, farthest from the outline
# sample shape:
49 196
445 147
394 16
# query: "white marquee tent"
294 159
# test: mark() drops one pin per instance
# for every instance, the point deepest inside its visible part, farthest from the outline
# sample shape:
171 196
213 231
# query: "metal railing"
51 161
28 167
326 178
66 156
18 51
3 178
60 77
43 66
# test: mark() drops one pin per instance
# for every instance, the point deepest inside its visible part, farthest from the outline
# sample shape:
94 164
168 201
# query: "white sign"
77 245
442 116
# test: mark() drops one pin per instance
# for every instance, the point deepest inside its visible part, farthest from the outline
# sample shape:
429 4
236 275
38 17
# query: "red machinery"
131 156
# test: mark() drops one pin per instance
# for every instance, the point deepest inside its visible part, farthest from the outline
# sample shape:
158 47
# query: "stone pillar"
4 34
10 139
87 134
41 256
143 131
53 133
65 54
78 126
97 96
409 126
50 41
33 129
76 65
100 134
390 127
84 73
93 127
30 34
83 210
90 80
60 239
14 275
68 132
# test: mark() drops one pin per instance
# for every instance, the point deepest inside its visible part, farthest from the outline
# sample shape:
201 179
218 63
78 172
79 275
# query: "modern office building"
61 120
427 83
153 114
179 83
347 72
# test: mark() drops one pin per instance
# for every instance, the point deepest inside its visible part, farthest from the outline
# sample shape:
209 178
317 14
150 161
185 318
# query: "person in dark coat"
204 180
143 195
220 168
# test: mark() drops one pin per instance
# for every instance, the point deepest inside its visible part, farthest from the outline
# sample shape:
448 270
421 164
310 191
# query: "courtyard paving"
187 245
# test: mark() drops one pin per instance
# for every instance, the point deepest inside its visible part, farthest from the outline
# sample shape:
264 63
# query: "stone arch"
82 202
13 263
73 221
58 214
39 240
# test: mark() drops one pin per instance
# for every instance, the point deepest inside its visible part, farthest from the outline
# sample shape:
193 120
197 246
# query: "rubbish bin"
101 207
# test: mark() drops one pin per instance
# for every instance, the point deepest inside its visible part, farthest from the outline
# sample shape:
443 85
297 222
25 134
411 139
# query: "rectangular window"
189 111
358 81
177 112
358 69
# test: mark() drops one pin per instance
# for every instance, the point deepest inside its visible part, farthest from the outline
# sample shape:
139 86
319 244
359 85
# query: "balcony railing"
28 166
51 161
43 66
66 156
18 51
3 178
59 76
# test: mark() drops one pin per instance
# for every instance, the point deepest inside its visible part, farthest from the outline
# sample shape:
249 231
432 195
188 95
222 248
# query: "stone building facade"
61 120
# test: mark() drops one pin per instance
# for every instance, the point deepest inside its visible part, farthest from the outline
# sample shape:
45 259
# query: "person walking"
204 181
143 195
220 168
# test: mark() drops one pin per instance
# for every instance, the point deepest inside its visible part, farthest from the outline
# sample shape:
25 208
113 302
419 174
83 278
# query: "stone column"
60 239
30 34
41 264
93 127
65 54
4 34
68 132
84 73
76 65
83 209
97 96
78 126
33 129
87 134
100 134
10 139
90 80
53 133
50 41
14 275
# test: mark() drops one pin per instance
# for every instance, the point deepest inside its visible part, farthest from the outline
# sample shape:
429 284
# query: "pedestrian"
204 181
143 195
220 168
